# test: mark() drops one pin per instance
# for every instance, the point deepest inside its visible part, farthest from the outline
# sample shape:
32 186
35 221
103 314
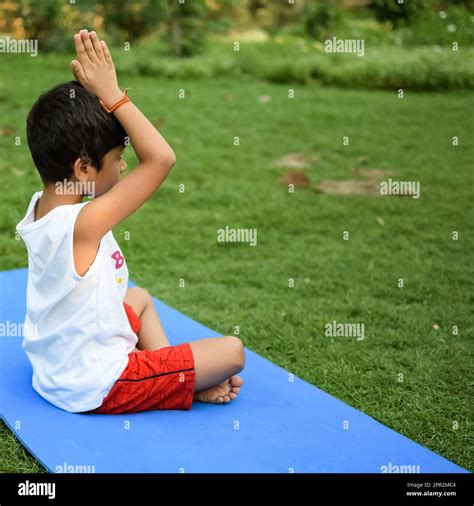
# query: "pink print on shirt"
118 257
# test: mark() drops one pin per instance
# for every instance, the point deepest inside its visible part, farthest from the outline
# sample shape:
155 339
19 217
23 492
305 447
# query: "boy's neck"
51 199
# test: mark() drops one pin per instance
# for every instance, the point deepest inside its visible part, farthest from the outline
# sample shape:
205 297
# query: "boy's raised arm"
96 72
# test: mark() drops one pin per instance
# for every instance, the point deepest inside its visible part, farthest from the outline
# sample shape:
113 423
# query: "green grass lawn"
300 236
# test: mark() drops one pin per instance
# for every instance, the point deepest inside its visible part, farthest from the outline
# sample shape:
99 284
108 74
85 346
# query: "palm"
95 69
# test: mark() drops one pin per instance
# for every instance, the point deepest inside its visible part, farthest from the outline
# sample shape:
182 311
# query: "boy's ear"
83 169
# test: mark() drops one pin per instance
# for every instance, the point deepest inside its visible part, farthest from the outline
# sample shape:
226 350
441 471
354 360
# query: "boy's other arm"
156 158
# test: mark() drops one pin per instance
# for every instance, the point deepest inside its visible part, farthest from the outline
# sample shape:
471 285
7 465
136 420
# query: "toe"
236 381
235 390
233 396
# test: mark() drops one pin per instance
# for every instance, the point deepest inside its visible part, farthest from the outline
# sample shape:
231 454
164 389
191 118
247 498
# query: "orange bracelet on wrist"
118 104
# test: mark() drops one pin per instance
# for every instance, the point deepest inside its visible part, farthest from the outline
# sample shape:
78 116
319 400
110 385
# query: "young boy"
100 347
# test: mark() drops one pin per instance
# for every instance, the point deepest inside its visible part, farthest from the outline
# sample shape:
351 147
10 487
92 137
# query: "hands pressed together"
95 68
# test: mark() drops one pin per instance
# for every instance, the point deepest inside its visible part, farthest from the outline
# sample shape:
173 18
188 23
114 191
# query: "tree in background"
131 20
397 13
320 17
40 17
223 14
52 21
271 15
184 21
186 26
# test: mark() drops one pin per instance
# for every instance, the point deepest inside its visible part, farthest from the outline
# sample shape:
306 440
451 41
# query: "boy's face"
113 165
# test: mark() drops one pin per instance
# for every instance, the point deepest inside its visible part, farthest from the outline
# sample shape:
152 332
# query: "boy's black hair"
67 123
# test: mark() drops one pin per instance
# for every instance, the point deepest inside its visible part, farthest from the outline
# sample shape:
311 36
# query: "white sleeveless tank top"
78 336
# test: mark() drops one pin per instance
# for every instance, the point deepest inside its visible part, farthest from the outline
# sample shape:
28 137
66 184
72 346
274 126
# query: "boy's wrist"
112 98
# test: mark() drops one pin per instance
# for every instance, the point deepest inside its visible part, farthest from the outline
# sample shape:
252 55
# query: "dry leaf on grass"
348 187
296 160
17 172
295 177
375 174
6 131
159 122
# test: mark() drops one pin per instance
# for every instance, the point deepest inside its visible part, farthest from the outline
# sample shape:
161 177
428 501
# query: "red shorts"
159 379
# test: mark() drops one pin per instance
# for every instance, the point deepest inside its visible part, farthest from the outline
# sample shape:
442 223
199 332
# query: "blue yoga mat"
275 426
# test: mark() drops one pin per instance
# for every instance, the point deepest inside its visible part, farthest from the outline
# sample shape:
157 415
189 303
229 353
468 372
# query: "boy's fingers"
97 45
78 71
80 49
106 51
88 45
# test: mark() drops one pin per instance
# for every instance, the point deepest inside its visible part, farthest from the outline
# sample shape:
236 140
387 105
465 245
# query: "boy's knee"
143 294
236 351
147 296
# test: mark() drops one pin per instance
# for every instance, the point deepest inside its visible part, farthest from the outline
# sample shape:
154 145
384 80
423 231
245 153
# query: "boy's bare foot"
222 393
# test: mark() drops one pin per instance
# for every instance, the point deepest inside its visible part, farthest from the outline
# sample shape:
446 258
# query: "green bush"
390 68
199 67
442 28
382 67
427 69
288 71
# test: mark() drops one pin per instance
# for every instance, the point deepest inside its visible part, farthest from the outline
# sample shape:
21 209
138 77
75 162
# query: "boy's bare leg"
217 360
151 335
